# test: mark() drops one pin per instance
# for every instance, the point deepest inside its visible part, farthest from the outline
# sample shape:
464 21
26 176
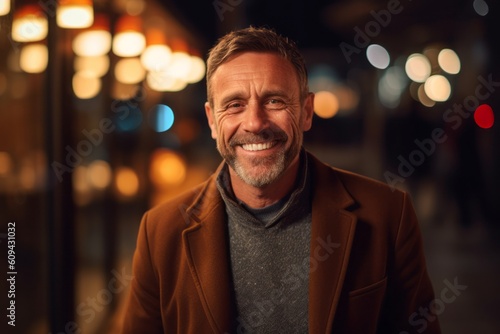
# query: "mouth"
258 146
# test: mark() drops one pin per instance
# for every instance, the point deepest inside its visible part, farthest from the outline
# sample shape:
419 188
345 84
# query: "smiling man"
276 241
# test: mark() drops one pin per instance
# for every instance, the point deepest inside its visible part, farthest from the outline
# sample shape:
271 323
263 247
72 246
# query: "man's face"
257 118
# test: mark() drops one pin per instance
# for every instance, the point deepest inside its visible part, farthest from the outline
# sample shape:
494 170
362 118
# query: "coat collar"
205 243
206 247
332 235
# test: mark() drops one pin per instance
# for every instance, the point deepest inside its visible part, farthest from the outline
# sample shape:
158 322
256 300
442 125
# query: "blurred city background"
102 117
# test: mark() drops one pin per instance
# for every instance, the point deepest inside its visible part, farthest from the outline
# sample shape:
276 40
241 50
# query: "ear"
211 121
308 111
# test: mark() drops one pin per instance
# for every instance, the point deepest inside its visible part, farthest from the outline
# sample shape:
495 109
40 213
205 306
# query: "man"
276 241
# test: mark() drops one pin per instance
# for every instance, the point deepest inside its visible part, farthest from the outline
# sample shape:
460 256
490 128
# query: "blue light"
161 117
128 118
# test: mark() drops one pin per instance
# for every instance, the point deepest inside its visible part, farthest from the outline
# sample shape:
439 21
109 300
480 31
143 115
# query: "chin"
259 176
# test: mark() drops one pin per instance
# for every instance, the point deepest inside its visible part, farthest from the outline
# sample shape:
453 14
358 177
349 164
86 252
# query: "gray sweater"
269 251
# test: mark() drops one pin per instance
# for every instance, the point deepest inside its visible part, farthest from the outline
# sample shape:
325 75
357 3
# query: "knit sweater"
269 250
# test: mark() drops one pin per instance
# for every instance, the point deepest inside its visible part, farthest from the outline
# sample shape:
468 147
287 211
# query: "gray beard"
276 167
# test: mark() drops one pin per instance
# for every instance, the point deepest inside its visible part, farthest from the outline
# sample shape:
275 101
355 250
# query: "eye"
275 104
235 107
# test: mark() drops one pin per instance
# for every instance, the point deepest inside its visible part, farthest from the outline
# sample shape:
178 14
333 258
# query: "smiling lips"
259 146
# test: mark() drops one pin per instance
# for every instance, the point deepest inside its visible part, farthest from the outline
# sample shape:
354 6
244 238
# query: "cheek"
225 129
293 125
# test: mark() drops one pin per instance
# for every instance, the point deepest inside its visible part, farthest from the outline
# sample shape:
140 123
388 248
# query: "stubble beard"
260 171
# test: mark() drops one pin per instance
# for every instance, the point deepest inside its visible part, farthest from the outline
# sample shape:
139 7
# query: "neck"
259 197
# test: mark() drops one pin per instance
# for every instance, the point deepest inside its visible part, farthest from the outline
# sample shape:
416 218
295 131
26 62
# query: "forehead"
255 69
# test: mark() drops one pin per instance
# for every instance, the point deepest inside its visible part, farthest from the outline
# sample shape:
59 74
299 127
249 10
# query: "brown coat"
368 273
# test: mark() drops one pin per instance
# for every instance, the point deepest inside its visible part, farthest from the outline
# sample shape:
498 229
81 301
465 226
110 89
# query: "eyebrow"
231 97
267 94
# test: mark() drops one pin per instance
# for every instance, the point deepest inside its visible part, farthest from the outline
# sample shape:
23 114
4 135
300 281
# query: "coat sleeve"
410 296
142 314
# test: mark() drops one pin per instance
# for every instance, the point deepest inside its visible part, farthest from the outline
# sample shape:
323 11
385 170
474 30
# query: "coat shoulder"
180 212
360 184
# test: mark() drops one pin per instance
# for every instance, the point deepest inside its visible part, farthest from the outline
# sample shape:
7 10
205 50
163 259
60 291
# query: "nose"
255 118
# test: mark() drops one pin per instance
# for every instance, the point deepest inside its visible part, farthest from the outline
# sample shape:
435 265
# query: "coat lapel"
332 235
206 247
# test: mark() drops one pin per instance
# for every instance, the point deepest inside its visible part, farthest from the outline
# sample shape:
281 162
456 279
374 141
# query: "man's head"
255 40
259 104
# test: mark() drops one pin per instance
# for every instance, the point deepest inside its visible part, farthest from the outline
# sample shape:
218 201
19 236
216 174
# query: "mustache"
265 135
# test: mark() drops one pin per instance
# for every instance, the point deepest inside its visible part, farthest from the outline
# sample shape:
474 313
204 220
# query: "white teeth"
257 147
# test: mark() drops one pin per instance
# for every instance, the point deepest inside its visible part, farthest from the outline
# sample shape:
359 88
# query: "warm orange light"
4 7
99 174
180 63
86 86
94 41
449 61
129 40
34 58
437 88
129 71
197 71
326 104
82 192
157 54
29 24
127 181
167 168
164 82
418 67
75 14
423 98
96 66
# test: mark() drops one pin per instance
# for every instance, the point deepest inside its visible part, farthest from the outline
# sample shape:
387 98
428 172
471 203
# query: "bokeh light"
163 82
449 61
128 117
4 7
34 58
128 44
128 41
29 24
95 66
80 179
129 71
481 7
75 14
437 88
99 174
197 71
5 163
418 67
424 98
378 56
156 57
126 181
180 65
391 86
484 116
168 168
161 117
322 77
326 104
94 41
86 86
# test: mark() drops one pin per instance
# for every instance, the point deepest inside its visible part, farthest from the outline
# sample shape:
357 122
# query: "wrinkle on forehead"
254 73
